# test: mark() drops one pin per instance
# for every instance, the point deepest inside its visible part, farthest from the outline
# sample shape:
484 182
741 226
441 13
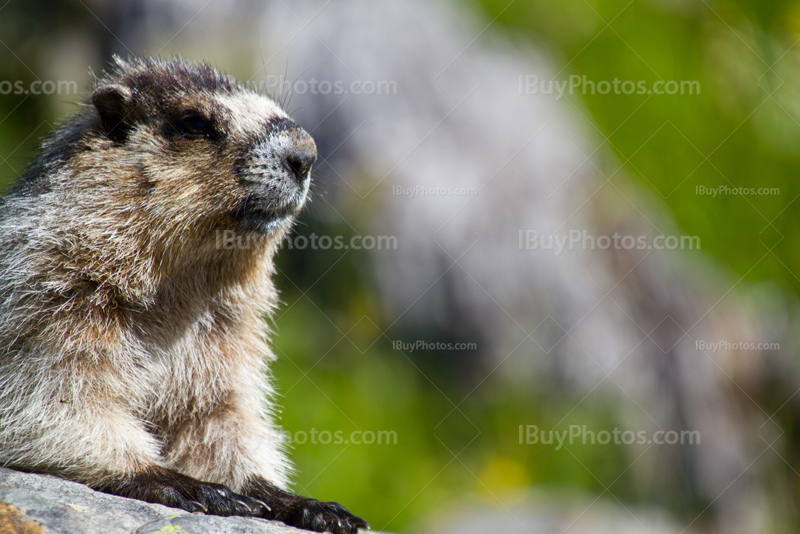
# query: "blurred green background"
742 130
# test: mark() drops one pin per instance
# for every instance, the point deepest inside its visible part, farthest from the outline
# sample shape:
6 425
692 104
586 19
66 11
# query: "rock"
39 504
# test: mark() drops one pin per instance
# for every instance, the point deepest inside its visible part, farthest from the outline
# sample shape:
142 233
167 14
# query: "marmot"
132 346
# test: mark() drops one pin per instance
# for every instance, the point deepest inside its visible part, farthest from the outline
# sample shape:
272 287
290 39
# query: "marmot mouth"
254 217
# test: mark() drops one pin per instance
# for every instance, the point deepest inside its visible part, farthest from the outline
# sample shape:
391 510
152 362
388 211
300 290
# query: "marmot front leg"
303 512
236 447
92 439
170 488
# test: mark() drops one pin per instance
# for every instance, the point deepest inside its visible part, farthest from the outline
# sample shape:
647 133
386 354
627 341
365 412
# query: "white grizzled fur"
247 108
163 361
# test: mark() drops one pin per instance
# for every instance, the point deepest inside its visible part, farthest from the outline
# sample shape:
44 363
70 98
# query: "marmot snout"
275 173
132 347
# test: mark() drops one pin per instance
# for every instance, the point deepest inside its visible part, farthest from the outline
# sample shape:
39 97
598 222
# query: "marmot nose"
299 162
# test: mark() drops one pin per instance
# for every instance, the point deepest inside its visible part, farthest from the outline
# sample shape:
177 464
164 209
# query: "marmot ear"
114 103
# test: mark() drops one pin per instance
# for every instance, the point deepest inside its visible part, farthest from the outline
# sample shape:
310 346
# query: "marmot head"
205 149
167 156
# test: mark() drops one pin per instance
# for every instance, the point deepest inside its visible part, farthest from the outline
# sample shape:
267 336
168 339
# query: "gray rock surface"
64 507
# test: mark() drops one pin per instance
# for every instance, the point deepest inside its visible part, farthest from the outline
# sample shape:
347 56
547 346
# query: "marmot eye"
195 125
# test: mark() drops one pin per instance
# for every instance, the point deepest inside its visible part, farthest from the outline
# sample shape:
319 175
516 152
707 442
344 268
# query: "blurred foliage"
337 372
742 130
